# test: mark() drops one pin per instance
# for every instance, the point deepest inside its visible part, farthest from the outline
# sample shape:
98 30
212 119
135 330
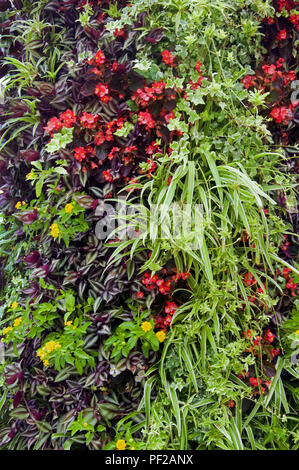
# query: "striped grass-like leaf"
186 355
175 407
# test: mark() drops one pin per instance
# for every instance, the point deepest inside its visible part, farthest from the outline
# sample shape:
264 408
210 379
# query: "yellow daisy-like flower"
54 230
161 335
68 208
68 323
121 444
18 205
146 326
297 332
14 305
6 330
17 321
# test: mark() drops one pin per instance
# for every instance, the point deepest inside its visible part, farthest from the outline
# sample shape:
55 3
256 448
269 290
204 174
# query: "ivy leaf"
60 140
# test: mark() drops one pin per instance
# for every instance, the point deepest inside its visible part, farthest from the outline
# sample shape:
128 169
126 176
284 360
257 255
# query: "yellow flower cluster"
121 444
14 305
146 326
54 230
49 347
161 335
70 323
17 321
6 330
19 204
68 208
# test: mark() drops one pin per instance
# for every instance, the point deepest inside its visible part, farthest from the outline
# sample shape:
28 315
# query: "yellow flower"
14 305
23 203
297 332
46 362
121 444
54 230
146 326
68 208
17 321
68 323
161 335
18 205
49 347
6 330
85 424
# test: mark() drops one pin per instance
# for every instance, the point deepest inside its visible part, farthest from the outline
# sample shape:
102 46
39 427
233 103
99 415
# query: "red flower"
99 58
281 114
107 176
268 337
159 87
286 4
168 320
97 71
170 307
294 19
54 124
140 294
274 352
112 152
257 340
144 117
286 272
280 62
80 153
102 90
281 35
99 138
169 116
168 58
230 404
198 65
268 20
254 381
249 279
269 69
248 81
89 121
153 148
289 77
119 33
68 118
153 166
197 84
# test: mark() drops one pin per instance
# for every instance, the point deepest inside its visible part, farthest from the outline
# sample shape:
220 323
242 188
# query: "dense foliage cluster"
134 336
